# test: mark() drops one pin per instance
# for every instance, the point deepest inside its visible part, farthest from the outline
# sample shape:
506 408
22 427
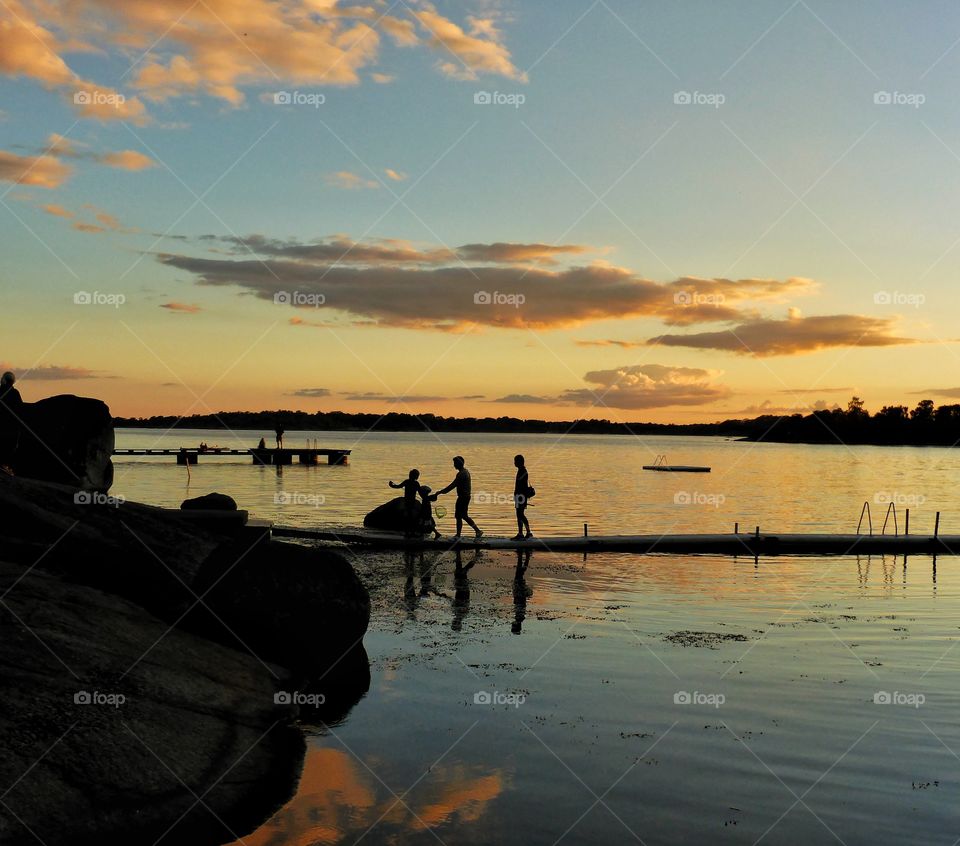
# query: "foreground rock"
197 631
69 440
209 502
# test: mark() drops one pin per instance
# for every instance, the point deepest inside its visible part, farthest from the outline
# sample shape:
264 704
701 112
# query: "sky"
636 211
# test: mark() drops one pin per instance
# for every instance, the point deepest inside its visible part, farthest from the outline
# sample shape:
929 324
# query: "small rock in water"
210 502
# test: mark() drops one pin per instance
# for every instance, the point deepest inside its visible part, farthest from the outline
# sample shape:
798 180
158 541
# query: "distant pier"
279 457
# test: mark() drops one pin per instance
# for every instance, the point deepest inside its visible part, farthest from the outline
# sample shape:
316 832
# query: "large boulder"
209 502
389 517
67 439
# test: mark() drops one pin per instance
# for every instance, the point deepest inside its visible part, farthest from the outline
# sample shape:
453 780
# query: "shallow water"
584 478
589 743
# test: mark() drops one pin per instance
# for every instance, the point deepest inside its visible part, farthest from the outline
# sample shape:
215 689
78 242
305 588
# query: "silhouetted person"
262 444
464 489
11 414
426 523
411 509
521 592
279 433
521 498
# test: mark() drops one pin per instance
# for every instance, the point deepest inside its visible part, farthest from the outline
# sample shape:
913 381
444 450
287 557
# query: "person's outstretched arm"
448 488
393 485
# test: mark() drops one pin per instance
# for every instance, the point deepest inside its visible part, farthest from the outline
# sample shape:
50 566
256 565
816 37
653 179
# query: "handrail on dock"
865 509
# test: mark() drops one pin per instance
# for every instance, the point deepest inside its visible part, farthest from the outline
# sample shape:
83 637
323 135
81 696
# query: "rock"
210 502
389 517
69 440
87 766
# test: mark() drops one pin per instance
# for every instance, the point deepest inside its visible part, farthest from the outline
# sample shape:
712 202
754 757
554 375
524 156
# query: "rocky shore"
156 670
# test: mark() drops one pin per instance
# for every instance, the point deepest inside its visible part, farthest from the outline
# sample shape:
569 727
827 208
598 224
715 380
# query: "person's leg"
526 523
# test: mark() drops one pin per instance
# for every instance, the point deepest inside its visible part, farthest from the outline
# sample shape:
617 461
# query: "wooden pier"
750 545
305 455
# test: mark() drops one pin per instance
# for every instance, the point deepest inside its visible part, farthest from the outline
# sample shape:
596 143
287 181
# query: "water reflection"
521 591
461 588
341 798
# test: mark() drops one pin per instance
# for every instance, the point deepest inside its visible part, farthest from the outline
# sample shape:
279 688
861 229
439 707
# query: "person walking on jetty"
11 412
411 509
464 489
279 432
521 498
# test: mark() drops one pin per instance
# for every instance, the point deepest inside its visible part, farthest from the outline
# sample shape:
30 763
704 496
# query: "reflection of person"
11 411
521 496
279 433
521 592
411 511
461 589
463 485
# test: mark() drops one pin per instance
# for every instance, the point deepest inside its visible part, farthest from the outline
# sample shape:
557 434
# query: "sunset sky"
639 211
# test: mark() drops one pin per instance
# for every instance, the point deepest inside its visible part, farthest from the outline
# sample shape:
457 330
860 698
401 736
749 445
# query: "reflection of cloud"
338 800
648 386
794 335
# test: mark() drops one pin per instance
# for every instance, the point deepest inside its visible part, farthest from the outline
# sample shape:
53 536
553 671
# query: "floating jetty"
746 544
660 465
191 455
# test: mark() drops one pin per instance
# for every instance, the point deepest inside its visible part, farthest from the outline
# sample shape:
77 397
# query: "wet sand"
660 699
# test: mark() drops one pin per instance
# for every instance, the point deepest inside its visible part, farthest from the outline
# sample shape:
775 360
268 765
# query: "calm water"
788 661
593 479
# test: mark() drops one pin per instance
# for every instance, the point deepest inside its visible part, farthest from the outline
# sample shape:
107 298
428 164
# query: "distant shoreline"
891 426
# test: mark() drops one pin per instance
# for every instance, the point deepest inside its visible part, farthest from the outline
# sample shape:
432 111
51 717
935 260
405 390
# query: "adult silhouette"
521 498
463 485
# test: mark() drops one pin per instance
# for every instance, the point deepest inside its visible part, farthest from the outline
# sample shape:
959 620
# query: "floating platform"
676 468
191 455
750 545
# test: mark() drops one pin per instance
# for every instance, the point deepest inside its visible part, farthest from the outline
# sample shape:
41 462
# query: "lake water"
618 698
583 478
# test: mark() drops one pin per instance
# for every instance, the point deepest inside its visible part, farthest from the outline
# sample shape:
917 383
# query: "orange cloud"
128 160
469 54
42 171
57 211
794 335
183 308
349 181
